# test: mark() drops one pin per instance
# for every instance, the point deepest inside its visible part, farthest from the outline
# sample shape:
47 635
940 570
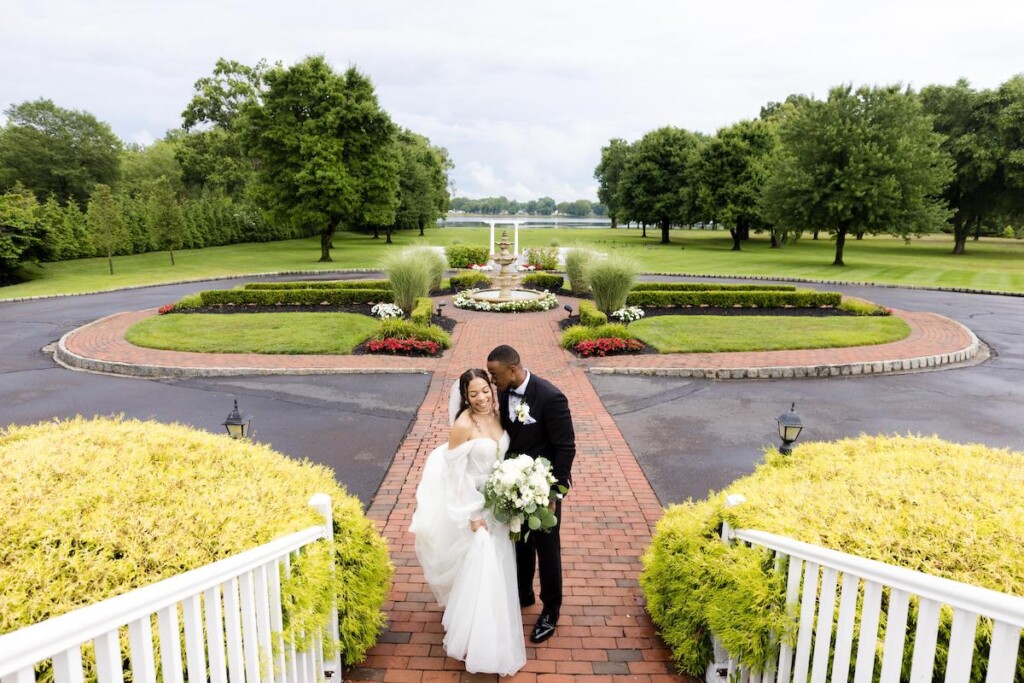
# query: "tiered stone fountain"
506 283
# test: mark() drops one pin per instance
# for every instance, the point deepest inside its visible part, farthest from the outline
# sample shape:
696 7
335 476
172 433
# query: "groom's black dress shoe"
527 601
544 628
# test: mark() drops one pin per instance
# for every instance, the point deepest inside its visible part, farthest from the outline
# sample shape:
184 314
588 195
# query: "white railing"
817 577
238 599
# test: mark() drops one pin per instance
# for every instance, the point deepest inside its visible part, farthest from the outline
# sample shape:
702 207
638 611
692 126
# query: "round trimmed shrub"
95 508
922 503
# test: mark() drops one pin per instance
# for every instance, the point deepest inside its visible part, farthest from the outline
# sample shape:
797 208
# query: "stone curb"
73 361
897 366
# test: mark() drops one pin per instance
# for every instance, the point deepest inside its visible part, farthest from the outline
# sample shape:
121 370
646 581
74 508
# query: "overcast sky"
523 94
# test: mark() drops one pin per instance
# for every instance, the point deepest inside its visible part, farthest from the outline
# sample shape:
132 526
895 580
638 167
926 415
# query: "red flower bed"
165 309
403 347
608 346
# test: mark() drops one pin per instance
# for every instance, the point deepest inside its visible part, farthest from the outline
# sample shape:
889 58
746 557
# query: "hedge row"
465 255
321 284
708 287
590 316
552 283
301 297
743 299
422 311
470 280
129 503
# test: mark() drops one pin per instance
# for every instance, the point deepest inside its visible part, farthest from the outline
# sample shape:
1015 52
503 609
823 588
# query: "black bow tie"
518 393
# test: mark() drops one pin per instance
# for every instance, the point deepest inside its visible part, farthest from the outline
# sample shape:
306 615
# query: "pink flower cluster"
403 347
608 346
165 309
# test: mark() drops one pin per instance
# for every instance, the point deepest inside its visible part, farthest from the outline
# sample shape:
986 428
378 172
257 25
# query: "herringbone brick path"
604 633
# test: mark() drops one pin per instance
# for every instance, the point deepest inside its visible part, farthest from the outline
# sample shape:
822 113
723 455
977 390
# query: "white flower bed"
386 311
628 315
465 299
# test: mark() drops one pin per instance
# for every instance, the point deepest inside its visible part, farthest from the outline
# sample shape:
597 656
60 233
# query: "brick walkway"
604 633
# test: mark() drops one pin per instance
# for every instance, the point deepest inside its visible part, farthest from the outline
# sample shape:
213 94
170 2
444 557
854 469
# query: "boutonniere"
523 412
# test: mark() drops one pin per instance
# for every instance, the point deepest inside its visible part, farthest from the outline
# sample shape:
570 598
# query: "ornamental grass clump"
436 263
96 508
576 261
410 276
610 280
922 503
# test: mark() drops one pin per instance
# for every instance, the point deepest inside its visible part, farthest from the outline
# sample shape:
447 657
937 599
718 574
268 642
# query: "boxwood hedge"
547 281
470 280
929 505
303 297
708 287
94 508
466 255
590 316
730 299
422 311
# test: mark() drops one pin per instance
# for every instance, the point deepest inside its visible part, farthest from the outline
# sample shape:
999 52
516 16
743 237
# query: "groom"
536 416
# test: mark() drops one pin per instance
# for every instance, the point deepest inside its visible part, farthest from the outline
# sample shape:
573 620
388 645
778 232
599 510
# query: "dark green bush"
727 299
707 287
590 316
471 280
465 255
299 297
397 328
422 312
552 283
321 284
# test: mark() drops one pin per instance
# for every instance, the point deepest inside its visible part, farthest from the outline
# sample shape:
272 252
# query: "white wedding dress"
472 575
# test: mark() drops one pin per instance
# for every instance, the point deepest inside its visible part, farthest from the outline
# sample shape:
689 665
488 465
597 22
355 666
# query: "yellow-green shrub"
921 503
423 311
580 333
590 316
95 508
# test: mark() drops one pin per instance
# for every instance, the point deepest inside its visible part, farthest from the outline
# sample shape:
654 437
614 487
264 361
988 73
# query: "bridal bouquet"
518 493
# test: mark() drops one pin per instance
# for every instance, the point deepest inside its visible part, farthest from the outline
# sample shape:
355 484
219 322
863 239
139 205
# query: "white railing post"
321 502
721 669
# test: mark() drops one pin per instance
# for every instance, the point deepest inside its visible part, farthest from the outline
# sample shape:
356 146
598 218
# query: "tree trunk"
615 223
735 239
977 228
664 230
171 252
110 262
959 234
744 233
840 242
860 234
376 234
643 225
421 228
775 239
326 239
388 240
815 234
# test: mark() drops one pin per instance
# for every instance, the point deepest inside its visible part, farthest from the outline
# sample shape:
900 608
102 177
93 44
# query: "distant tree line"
264 153
545 206
869 160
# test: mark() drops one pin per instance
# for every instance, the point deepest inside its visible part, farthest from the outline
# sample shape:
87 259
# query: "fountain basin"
495 295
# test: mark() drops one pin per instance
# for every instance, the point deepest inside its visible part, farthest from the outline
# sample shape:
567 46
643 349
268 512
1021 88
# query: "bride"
467 557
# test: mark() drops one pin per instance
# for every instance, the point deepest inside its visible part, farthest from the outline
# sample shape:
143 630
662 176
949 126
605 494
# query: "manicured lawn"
287 333
996 264
709 334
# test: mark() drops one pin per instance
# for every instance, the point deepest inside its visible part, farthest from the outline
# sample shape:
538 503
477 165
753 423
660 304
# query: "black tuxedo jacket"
551 436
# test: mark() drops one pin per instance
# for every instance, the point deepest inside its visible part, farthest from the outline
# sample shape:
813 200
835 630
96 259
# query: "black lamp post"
568 309
237 426
790 427
439 307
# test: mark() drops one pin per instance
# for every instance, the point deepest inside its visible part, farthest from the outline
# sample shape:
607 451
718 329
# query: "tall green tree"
164 218
211 151
608 174
51 150
657 182
106 224
324 148
423 183
730 172
23 236
545 206
865 160
142 165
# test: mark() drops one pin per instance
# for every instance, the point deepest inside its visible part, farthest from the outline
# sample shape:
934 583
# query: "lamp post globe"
790 427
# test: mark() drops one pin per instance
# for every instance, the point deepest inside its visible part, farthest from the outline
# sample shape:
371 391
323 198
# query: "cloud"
523 95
